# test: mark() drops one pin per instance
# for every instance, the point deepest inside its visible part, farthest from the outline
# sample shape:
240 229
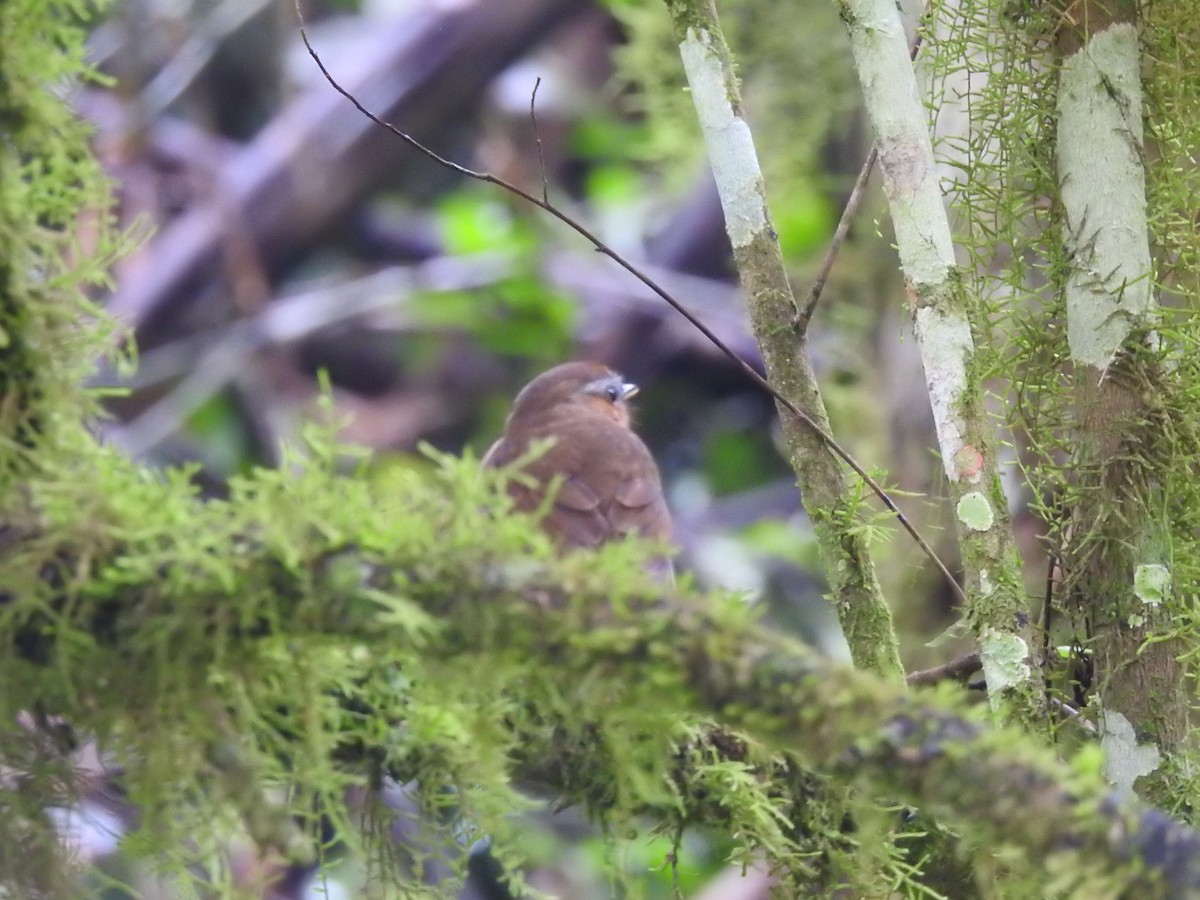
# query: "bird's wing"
576 518
639 506
576 495
492 459
600 497
638 492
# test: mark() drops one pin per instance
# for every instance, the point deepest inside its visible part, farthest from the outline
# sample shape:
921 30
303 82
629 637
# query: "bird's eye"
614 393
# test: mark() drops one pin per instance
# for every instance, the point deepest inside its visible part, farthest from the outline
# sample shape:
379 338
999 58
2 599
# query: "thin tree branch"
843 227
804 317
941 305
959 668
537 137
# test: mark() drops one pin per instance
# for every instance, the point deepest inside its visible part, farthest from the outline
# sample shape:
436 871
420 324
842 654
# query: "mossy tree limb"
47 177
1117 559
49 335
941 308
317 604
865 616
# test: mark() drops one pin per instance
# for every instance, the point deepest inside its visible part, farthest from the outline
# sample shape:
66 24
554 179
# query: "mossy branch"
1121 542
278 607
708 64
942 309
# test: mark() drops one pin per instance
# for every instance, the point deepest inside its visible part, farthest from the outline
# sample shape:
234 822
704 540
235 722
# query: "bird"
610 485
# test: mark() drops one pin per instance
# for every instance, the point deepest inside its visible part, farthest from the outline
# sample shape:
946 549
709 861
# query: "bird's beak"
628 390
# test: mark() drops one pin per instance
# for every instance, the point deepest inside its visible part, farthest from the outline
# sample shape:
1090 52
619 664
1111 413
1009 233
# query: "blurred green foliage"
219 424
735 460
661 866
519 316
474 219
804 219
615 184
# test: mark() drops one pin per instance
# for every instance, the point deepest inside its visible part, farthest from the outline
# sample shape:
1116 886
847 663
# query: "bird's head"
577 387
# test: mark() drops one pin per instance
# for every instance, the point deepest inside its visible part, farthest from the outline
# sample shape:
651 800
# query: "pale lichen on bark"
975 512
1100 164
727 138
1125 760
1005 659
1114 561
946 345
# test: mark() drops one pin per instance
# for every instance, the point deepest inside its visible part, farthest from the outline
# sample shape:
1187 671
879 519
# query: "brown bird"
610 483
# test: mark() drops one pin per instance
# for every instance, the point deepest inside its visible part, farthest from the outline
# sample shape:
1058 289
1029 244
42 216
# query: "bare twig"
1048 611
605 250
537 137
835 243
960 668
1071 714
